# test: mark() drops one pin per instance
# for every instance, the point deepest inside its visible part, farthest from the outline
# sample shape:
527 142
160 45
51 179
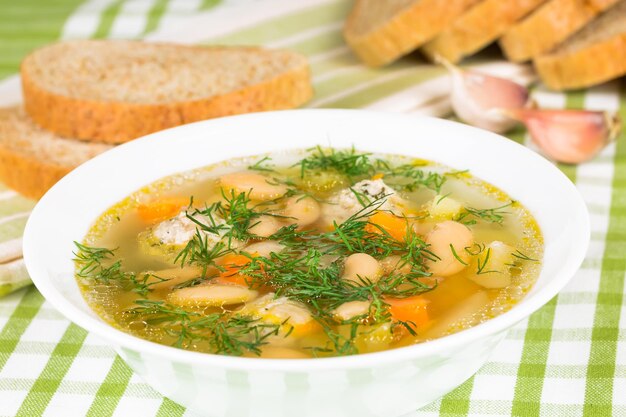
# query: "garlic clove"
569 136
477 98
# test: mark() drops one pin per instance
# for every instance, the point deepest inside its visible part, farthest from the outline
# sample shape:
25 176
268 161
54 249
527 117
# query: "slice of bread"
548 26
32 159
381 31
477 28
116 91
595 54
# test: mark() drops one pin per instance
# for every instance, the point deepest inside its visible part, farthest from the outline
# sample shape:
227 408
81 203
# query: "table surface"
568 359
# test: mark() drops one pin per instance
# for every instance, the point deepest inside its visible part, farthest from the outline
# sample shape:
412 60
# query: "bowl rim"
123 340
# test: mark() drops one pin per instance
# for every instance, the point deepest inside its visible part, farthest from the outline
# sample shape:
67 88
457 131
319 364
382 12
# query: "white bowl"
384 384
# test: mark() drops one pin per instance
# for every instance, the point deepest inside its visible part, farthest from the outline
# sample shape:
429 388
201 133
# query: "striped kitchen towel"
568 359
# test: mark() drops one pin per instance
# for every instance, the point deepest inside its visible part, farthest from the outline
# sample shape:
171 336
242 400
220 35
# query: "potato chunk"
494 262
444 208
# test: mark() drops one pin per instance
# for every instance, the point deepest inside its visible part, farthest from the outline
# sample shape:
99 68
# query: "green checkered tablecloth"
568 359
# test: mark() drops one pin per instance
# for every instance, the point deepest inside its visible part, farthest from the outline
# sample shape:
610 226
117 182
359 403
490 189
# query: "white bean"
302 211
264 248
351 309
265 226
360 267
258 186
446 240
282 309
212 295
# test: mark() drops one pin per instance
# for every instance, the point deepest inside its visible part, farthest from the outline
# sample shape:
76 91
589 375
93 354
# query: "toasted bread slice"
595 54
478 27
548 26
32 159
116 91
381 31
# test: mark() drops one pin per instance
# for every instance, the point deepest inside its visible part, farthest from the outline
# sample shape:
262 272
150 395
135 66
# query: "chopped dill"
309 266
519 255
230 335
482 264
91 263
456 256
353 165
346 162
262 165
470 215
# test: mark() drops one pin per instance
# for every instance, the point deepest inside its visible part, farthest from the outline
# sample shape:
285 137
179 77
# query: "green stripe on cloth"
155 14
169 408
532 369
318 44
209 4
111 390
13 229
18 322
17 204
604 336
107 18
287 25
340 60
372 93
48 382
457 402
20 34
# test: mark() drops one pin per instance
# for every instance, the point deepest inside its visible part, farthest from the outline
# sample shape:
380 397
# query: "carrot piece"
303 329
232 265
411 309
395 226
163 209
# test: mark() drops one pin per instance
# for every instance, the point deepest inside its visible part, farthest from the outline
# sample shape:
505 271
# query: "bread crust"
406 31
118 122
29 176
588 66
477 28
548 26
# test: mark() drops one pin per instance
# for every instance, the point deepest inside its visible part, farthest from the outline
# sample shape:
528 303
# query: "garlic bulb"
478 98
569 136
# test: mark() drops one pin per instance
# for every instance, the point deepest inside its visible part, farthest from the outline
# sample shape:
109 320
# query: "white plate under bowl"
384 384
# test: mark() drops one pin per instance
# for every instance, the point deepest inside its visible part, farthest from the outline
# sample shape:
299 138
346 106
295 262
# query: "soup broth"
311 253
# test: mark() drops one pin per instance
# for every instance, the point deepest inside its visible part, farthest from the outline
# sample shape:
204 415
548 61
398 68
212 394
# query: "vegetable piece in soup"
307 254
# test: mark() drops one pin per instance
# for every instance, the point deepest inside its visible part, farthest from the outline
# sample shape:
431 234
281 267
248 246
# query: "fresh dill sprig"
226 334
410 177
261 165
519 255
456 255
346 162
469 215
355 166
201 251
92 263
90 259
